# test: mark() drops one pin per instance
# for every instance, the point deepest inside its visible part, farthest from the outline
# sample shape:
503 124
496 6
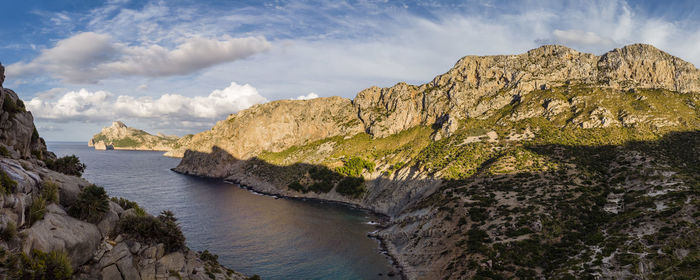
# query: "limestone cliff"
276 126
39 239
121 137
546 164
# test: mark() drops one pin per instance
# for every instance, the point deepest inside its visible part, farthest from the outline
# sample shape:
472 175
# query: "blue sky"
179 66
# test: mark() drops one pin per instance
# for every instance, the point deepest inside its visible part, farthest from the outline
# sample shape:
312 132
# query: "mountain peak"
118 124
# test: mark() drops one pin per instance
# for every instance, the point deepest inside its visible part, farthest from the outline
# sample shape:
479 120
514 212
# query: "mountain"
552 163
120 137
56 225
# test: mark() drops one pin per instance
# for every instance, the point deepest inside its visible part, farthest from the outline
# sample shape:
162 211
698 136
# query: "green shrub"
92 204
11 107
354 167
7 185
254 277
37 209
70 165
39 265
297 187
50 191
128 204
9 232
321 187
4 151
163 229
208 257
351 186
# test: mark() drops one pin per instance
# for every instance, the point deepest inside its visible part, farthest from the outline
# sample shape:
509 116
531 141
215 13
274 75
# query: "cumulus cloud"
100 106
311 95
89 57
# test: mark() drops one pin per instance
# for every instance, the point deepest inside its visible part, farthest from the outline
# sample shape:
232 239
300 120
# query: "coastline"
383 218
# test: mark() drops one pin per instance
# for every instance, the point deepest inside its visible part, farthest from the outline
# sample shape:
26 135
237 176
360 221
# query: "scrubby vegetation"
351 186
11 107
39 265
69 165
9 232
92 204
4 152
7 185
37 209
163 229
50 191
354 167
128 204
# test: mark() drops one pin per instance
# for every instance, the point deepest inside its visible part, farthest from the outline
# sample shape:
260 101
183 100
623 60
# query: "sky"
179 66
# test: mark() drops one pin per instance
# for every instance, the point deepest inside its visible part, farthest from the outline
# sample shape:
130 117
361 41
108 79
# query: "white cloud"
100 106
89 57
311 95
580 37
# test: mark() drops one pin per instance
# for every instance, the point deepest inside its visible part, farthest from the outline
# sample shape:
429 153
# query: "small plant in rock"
128 204
50 191
37 210
7 185
69 165
9 232
92 204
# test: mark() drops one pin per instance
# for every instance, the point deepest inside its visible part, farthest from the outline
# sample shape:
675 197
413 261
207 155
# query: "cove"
251 233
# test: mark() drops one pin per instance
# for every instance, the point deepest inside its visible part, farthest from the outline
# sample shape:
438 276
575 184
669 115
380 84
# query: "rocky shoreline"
384 219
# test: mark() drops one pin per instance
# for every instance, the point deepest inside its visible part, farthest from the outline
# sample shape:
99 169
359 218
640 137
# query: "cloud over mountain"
89 57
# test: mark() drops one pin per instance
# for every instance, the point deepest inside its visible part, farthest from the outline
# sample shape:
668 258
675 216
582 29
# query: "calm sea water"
253 234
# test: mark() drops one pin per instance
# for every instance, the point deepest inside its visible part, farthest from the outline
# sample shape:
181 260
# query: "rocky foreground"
56 225
118 136
552 163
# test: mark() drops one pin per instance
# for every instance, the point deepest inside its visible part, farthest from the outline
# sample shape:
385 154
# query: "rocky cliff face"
37 235
121 137
276 126
475 87
498 168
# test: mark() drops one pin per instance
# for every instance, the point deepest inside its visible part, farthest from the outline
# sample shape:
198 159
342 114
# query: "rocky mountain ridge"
118 136
524 153
475 87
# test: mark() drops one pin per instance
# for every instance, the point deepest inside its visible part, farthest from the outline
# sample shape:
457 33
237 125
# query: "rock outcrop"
120 137
102 146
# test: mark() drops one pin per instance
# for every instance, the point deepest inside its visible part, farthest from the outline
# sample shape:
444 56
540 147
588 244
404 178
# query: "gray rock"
148 269
61 232
150 252
108 223
111 273
127 268
171 262
117 253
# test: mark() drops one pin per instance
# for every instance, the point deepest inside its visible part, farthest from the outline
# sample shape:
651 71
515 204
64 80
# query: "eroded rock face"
17 131
477 85
276 126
